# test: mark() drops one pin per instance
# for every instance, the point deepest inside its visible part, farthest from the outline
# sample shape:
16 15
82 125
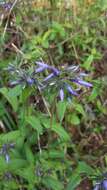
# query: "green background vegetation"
66 149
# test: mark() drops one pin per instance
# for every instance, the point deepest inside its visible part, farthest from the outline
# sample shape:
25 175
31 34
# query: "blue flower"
55 71
60 79
44 66
5 151
49 77
30 81
82 82
6 6
104 184
40 69
70 90
97 186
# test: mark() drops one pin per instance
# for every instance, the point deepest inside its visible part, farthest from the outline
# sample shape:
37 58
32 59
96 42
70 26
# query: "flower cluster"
64 79
5 5
22 76
67 81
5 151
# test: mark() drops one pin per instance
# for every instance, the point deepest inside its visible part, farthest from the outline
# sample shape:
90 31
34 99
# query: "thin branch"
9 17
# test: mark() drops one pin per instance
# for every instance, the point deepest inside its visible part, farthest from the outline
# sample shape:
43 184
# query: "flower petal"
84 83
40 69
61 94
42 64
56 71
97 187
104 184
49 77
71 91
30 81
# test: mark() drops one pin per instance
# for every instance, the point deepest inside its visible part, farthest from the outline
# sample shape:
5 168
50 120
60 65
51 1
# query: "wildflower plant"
67 81
38 116
49 110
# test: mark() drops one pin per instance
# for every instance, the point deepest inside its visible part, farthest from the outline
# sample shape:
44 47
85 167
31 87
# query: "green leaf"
16 91
10 136
45 44
74 119
60 131
25 94
56 154
9 95
3 165
45 38
61 108
11 185
18 19
46 35
29 154
52 183
85 168
74 181
88 62
15 164
58 28
45 121
94 94
79 108
27 173
35 123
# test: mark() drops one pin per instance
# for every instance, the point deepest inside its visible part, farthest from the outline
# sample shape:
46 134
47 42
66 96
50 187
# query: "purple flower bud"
49 77
40 69
30 81
56 71
87 84
82 82
41 64
71 91
104 184
61 94
7 6
97 187
44 66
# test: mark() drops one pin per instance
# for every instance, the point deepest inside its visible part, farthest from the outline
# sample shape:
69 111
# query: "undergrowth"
53 108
